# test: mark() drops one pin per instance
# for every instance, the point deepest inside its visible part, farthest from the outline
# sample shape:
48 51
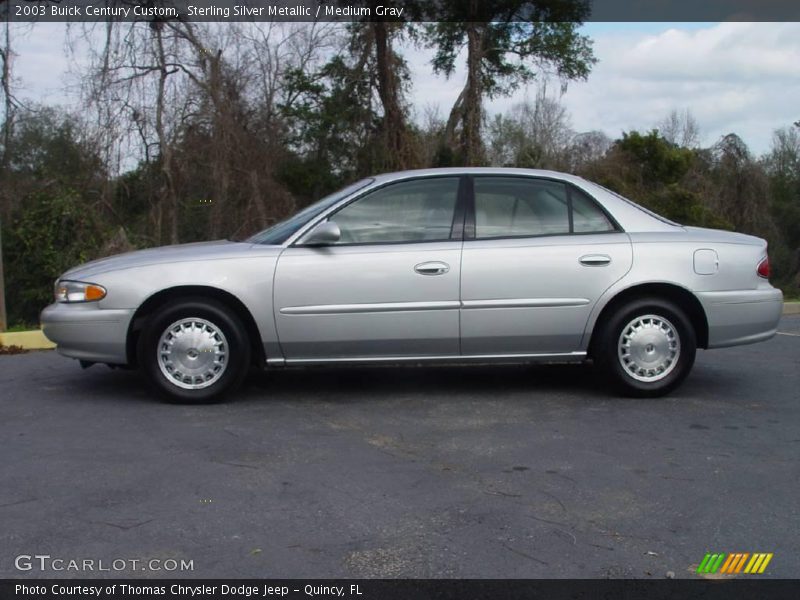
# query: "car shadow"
355 383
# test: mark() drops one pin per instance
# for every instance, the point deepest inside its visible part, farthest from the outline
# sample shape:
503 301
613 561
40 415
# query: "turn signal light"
94 292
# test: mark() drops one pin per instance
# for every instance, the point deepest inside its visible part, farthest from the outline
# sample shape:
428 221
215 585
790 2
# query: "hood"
197 251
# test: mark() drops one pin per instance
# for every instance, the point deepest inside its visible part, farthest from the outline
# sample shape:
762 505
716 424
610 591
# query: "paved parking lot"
495 471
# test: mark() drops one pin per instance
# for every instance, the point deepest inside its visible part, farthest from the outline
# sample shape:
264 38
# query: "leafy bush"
52 233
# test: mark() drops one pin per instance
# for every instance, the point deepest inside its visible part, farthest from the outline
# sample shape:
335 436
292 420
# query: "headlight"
77 291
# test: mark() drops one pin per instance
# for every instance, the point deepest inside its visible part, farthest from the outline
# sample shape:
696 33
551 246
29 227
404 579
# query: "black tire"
606 352
219 319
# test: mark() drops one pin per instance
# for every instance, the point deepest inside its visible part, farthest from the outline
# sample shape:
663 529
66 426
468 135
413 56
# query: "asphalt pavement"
475 471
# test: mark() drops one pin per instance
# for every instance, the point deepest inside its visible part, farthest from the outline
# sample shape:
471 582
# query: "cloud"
734 77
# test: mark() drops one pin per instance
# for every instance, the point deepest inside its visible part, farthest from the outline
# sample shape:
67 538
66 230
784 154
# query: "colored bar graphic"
741 562
711 563
766 562
704 563
728 564
751 566
737 565
718 563
735 562
757 565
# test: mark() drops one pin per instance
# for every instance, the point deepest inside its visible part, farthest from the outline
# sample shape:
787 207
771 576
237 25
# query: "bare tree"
680 128
199 102
389 68
8 98
278 48
130 86
507 44
536 134
784 156
8 121
587 148
740 191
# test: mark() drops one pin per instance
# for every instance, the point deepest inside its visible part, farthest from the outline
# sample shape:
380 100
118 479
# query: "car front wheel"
194 351
646 348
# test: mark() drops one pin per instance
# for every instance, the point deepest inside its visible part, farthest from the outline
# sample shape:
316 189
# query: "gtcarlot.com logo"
45 562
736 562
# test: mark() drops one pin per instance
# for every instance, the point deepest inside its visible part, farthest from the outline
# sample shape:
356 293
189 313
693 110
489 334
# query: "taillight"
763 268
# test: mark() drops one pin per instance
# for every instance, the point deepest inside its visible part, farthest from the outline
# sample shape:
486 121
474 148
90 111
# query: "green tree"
391 81
55 220
49 152
332 126
53 233
508 43
659 175
783 170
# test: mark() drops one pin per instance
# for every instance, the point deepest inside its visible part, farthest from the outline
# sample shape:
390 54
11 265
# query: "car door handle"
432 268
595 260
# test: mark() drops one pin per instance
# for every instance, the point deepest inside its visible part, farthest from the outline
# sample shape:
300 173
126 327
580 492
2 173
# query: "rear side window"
587 216
517 207
522 207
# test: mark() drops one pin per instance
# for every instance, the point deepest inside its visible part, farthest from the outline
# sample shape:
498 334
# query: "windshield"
282 231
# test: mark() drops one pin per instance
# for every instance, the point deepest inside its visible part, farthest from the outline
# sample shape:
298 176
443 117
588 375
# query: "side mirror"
327 232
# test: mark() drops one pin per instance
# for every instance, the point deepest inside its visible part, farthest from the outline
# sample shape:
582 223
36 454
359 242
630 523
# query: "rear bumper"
87 332
741 317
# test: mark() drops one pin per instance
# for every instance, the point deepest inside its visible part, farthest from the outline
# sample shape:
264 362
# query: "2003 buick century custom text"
435 265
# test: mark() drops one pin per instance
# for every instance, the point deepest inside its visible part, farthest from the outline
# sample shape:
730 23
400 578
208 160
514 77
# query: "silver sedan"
437 265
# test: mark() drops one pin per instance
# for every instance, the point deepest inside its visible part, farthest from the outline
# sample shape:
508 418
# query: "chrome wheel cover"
649 348
192 353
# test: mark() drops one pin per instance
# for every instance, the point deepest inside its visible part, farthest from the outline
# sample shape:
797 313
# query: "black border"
602 11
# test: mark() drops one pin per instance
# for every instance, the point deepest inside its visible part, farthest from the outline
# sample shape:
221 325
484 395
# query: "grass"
16 327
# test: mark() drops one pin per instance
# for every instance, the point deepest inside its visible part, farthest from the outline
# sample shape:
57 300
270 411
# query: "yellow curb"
29 340
791 308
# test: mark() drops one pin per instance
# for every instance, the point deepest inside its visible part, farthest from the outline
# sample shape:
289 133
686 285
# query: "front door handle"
595 260
432 268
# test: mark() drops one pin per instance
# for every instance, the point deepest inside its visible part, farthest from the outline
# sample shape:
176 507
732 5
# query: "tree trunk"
167 194
456 117
8 117
471 143
394 127
220 147
3 320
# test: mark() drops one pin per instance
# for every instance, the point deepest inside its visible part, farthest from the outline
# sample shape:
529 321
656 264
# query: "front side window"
516 207
410 211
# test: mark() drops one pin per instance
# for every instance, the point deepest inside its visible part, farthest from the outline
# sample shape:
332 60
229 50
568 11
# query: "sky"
733 77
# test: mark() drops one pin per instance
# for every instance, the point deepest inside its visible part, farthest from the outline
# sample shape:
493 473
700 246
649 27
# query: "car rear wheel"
646 348
194 351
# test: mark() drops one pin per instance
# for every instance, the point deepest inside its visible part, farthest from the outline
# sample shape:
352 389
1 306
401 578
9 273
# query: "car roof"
383 177
628 214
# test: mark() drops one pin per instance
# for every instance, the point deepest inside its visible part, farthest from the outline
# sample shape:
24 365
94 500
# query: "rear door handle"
432 268
595 260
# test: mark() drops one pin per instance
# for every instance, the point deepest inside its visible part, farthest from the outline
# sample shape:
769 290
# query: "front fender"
249 279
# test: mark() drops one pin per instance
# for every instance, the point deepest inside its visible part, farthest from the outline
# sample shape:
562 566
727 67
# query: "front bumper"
741 317
87 332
